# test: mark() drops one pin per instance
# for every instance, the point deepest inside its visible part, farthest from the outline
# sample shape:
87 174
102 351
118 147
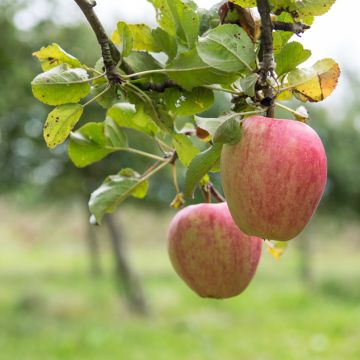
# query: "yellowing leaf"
141 35
178 201
60 122
53 55
316 83
244 3
276 248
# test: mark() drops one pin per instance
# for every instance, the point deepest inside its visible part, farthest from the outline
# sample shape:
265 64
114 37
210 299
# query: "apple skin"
210 253
274 177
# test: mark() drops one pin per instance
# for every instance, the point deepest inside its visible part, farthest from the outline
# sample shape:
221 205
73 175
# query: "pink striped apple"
274 177
210 253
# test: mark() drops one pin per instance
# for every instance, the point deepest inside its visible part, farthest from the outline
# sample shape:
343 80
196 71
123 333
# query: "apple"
274 177
210 253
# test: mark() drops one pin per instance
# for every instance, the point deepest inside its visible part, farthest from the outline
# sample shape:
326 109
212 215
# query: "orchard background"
75 292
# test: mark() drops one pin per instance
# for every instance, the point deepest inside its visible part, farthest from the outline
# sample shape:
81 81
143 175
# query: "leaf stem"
98 95
294 112
138 152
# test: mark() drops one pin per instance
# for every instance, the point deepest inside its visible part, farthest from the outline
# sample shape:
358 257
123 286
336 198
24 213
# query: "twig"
267 64
111 56
294 27
216 193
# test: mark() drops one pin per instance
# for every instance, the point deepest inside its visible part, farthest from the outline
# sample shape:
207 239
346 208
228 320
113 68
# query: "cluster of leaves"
197 56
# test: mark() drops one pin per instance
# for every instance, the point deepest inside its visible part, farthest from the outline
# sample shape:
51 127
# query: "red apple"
210 253
274 177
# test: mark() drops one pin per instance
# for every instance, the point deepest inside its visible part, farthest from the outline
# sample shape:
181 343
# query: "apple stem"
216 193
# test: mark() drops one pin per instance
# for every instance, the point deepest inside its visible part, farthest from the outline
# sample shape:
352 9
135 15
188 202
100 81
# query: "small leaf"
210 125
276 248
302 114
185 149
248 84
60 122
166 42
315 83
88 144
290 56
199 167
178 202
244 3
227 48
123 36
53 55
114 190
127 115
60 85
229 132
184 103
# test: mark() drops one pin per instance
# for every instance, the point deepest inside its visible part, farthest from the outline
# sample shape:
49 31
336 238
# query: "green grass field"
50 308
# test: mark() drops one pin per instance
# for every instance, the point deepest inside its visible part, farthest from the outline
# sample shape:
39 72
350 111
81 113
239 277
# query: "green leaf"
186 20
166 42
135 36
227 48
123 36
184 103
53 55
88 144
229 132
244 3
306 8
185 149
115 136
114 190
315 83
60 85
248 84
60 122
199 167
290 56
178 18
127 115
189 71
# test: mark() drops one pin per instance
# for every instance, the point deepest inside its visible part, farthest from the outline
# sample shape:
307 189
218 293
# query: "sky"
332 35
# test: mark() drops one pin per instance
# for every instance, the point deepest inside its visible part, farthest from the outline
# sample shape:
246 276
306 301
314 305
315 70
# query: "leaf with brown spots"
315 83
60 122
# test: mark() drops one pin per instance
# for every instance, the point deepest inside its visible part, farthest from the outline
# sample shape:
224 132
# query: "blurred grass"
50 308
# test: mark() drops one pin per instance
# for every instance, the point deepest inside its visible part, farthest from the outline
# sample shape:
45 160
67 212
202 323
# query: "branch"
110 53
267 64
295 27
216 194
160 87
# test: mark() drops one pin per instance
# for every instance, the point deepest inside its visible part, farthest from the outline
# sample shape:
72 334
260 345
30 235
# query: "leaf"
60 85
229 132
178 18
60 122
301 114
88 144
115 136
199 167
244 3
178 201
127 115
248 84
290 56
114 190
123 36
134 36
185 149
305 8
166 42
227 48
189 71
210 125
53 55
316 83
184 103
276 248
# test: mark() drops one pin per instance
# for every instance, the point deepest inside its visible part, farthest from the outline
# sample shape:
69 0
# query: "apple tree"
159 81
